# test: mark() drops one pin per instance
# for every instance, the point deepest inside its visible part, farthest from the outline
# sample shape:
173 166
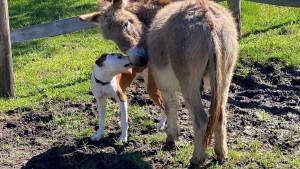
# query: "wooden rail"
49 29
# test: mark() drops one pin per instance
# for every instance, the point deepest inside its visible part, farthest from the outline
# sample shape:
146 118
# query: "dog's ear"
100 61
91 17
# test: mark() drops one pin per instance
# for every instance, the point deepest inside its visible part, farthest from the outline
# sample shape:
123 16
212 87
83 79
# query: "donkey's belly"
166 79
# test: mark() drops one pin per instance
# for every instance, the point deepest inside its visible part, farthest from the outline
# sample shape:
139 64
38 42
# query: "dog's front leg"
102 111
124 121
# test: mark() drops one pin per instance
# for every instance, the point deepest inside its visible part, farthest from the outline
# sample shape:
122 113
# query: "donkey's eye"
119 57
127 25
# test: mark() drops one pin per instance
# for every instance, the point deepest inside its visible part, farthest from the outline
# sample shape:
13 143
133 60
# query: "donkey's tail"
216 79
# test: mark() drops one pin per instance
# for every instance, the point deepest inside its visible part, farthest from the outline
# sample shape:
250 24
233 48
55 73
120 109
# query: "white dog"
104 85
112 74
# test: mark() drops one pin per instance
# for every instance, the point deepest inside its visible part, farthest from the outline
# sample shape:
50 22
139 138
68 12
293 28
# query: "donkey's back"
185 27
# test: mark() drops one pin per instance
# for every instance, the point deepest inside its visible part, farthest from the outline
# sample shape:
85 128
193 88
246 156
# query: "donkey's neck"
146 9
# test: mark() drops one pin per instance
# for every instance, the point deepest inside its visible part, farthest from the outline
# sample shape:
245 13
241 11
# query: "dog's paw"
161 126
122 138
96 137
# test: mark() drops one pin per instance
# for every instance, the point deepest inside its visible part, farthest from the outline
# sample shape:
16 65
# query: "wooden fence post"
6 67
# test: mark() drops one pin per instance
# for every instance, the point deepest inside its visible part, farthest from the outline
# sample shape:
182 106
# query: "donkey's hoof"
170 143
96 137
221 152
193 166
196 162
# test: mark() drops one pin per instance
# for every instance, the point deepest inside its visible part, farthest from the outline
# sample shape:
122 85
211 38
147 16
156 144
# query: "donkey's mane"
157 2
145 10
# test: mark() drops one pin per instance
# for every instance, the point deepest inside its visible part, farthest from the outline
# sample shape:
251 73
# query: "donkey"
185 42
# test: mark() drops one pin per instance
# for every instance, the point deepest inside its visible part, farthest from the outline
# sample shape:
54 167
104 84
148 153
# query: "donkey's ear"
91 17
104 4
120 3
100 61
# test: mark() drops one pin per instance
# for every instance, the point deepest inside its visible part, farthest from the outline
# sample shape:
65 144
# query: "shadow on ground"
110 157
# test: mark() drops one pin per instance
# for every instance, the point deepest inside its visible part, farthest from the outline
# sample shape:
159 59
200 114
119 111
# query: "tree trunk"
6 69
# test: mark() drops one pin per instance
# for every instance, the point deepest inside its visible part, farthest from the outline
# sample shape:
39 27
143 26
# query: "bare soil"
264 105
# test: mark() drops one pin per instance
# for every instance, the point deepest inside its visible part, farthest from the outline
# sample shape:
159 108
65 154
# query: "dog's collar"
100 82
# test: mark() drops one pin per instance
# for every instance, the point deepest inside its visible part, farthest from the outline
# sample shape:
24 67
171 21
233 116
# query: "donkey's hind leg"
171 106
199 118
221 149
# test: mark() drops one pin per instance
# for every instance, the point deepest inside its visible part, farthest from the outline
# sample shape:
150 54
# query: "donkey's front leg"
102 110
124 121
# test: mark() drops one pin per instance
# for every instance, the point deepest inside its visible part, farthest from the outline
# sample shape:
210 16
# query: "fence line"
49 29
73 24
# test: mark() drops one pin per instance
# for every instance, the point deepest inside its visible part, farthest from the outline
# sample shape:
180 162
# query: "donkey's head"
122 27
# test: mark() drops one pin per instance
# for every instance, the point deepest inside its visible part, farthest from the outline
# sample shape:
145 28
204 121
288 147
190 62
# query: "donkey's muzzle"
142 61
138 56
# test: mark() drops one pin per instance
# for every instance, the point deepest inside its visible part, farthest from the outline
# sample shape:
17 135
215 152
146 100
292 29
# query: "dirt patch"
262 106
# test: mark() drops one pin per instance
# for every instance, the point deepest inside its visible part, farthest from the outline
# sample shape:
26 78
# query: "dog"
112 74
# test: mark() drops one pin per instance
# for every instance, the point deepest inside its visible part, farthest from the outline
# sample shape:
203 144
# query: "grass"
56 69
270 34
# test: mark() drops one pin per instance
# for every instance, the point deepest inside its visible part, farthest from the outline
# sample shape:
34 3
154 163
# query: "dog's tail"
216 79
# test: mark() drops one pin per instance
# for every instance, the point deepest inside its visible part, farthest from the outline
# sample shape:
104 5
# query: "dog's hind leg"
155 95
162 123
171 106
102 111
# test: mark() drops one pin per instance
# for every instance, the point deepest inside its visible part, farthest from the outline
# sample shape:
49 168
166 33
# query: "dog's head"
114 63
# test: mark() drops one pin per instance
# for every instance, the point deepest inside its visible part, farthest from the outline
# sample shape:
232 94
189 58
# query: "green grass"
270 34
55 69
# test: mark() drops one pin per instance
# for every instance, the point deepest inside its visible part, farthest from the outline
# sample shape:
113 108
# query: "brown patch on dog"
120 92
153 91
125 79
139 69
99 62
